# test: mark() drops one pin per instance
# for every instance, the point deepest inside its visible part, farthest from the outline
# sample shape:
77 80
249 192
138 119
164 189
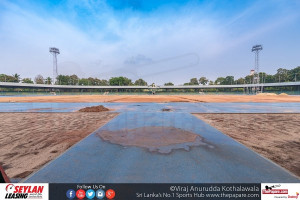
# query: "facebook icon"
70 194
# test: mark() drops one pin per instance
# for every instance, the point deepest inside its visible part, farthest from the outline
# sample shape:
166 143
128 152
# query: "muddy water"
156 139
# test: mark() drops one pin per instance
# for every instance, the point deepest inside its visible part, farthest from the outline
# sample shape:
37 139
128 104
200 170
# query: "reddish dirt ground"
275 136
30 140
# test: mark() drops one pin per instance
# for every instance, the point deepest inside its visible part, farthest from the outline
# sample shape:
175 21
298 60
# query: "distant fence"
42 89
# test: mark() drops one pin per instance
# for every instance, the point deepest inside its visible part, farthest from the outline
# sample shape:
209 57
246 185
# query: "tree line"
282 75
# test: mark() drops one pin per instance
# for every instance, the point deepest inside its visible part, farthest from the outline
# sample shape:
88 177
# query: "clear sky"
160 41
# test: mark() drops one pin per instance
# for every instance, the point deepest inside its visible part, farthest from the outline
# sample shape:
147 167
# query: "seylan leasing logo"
23 192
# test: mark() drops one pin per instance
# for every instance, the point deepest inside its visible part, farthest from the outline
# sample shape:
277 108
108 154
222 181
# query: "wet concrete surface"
222 160
157 107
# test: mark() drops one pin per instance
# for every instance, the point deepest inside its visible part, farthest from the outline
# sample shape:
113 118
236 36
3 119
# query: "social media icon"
110 194
100 194
90 194
80 194
71 194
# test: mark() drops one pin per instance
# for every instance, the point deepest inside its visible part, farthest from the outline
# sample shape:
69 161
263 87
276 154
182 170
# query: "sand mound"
160 139
283 94
266 94
99 108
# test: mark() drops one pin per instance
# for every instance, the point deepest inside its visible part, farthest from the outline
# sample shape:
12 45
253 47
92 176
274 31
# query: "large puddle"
156 139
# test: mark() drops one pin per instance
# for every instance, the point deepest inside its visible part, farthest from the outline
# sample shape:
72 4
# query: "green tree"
269 79
203 80
249 79
97 81
63 80
262 77
104 82
83 81
194 81
229 80
48 80
281 75
39 79
17 77
294 74
240 81
121 81
7 78
92 81
27 80
73 80
220 81
169 84
140 82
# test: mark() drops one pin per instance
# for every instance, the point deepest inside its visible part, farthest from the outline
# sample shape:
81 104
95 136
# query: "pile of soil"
99 108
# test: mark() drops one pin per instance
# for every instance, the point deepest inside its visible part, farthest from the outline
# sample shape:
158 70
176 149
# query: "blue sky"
159 41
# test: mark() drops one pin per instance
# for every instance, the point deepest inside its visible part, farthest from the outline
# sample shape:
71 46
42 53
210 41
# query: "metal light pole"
256 49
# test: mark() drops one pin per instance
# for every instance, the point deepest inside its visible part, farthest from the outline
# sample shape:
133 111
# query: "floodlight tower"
54 51
256 49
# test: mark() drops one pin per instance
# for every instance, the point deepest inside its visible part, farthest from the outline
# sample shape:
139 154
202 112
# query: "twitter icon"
90 194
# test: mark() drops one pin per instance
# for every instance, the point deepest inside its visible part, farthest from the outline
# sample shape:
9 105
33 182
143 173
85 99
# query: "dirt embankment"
275 136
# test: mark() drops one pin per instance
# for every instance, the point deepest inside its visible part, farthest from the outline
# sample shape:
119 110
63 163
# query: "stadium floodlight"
54 51
256 49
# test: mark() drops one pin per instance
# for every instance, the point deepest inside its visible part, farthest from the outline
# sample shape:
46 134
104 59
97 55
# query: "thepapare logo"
23 192
271 190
